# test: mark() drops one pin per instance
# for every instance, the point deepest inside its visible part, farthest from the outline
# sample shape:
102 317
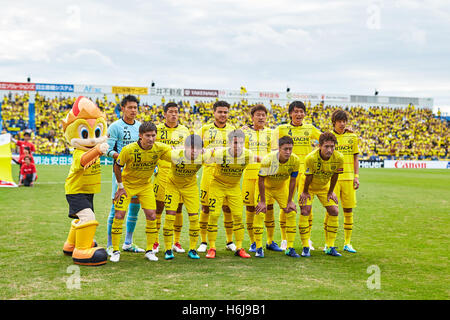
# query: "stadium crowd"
385 132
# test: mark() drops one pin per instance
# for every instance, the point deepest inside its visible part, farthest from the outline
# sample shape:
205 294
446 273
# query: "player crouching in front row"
138 160
322 169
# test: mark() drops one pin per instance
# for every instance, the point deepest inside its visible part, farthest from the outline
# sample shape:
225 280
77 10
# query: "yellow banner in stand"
130 90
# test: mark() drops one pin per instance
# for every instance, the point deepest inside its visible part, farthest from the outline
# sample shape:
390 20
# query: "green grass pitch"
400 229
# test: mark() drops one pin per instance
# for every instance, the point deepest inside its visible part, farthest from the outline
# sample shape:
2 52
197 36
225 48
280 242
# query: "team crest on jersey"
155 157
333 167
306 133
350 141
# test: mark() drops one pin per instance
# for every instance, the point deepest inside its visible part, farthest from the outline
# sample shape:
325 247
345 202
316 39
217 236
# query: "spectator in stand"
28 174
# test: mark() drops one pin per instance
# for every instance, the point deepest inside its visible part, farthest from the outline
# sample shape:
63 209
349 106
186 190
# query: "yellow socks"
151 233
212 230
282 224
193 231
348 227
304 229
158 225
270 225
249 219
290 228
228 223
203 226
238 230
258 228
325 224
168 231
177 227
332 227
116 233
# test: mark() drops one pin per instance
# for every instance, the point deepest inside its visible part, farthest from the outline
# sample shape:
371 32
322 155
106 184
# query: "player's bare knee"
270 207
333 210
305 210
150 214
205 209
251 208
119 214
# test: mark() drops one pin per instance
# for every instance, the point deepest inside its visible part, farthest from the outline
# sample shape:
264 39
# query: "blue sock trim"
133 211
112 212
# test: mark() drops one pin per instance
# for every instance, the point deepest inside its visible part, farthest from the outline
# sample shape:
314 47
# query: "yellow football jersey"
215 137
259 142
80 180
277 173
227 168
348 146
173 137
302 135
139 164
322 170
184 170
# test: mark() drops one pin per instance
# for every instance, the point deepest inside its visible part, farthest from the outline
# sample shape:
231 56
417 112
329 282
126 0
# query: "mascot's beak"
91 122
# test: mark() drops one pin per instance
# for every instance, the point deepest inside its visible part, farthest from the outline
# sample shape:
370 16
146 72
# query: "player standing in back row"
214 135
303 134
172 133
120 134
348 182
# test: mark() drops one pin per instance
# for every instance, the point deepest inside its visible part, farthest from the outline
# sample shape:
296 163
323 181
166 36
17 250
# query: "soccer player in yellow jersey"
138 161
257 139
322 169
348 182
214 135
303 134
229 164
277 182
172 133
181 187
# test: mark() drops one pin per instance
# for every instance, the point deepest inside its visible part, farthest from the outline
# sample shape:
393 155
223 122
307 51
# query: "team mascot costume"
85 129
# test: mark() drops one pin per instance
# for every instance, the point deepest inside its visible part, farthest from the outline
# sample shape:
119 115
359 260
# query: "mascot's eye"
98 132
84 133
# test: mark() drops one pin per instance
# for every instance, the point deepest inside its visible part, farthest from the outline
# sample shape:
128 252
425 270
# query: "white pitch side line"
62 182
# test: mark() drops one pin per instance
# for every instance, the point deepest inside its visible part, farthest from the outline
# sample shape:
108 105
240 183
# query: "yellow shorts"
186 194
220 195
322 195
207 177
144 193
250 191
160 183
346 193
280 195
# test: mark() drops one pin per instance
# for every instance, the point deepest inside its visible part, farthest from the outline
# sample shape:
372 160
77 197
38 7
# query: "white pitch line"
62 182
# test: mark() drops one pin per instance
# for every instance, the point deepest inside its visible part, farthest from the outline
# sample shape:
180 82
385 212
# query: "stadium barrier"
371 163
416 164
46 159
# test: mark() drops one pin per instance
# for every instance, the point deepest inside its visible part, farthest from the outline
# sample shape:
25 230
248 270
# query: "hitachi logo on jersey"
172 142
344 148
231 171
257 144
300 139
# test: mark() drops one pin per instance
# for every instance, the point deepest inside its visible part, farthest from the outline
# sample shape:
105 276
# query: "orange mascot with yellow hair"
85 129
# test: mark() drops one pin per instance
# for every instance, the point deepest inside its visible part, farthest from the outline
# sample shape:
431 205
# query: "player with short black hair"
121 133
322 169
